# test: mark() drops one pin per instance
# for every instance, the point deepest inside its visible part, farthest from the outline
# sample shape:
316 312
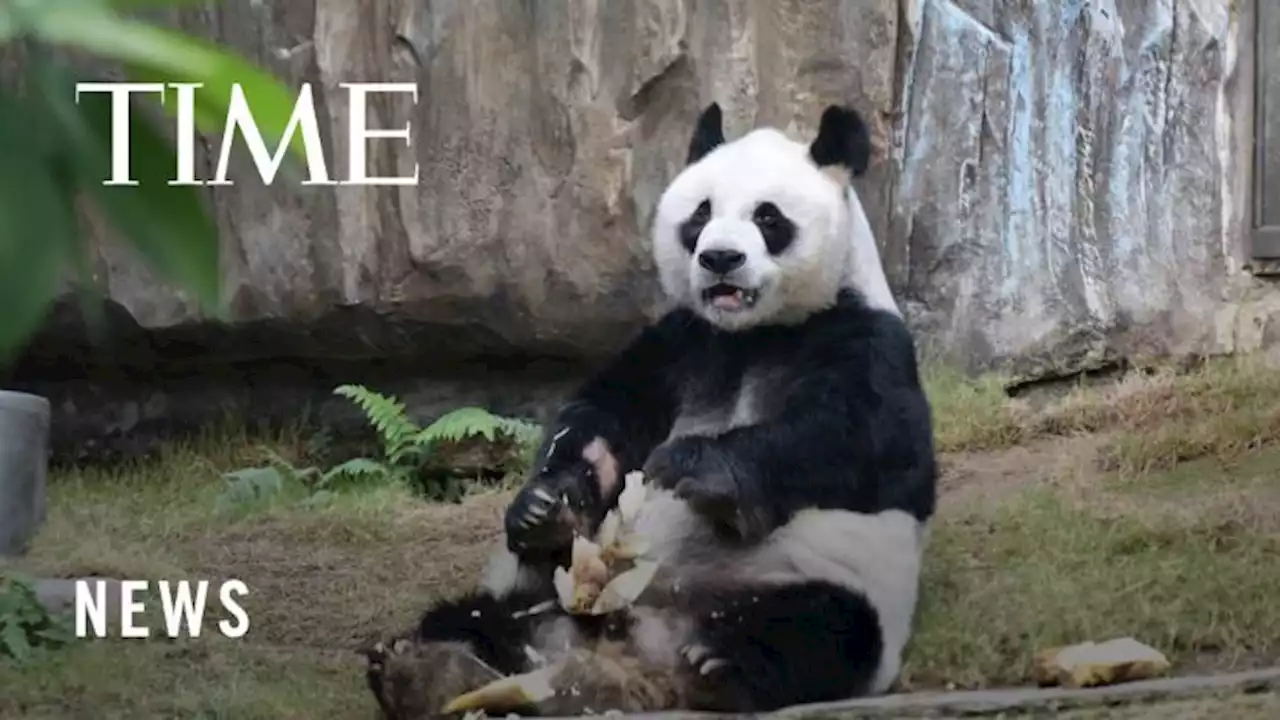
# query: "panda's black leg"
496 629
457 646
758 650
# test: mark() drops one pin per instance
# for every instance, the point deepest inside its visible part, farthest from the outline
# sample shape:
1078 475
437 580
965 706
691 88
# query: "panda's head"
755 231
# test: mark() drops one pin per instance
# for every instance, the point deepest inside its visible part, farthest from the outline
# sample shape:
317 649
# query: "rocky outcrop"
1056 184
1071 186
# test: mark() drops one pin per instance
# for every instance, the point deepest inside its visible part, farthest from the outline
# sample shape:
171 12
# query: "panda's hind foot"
610 678
412 680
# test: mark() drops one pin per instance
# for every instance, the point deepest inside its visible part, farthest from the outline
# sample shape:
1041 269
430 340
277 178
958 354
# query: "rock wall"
1072 186
1058 183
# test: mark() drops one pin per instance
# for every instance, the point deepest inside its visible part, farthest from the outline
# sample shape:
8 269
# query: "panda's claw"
535 518
701 659
712 665
540 506
693 654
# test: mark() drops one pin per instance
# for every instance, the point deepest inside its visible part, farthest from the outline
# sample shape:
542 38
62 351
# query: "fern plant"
405 446
388 416
468 422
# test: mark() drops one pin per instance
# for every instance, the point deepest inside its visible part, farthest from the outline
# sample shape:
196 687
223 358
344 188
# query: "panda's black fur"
839 422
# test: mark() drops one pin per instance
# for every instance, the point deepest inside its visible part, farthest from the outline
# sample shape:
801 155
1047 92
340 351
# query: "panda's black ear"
843 139
707 134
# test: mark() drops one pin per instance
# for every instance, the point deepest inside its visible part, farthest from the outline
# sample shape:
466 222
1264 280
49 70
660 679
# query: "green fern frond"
472 421
387 415
526 433
355 470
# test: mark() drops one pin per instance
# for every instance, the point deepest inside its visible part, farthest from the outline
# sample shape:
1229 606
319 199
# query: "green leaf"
180 58
38 232
357 468
167 224
8 24
15 642
126 5
260 479
462 423
21 16
89 296
387 415
318 500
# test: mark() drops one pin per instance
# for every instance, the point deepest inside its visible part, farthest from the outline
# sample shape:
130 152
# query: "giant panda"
777 406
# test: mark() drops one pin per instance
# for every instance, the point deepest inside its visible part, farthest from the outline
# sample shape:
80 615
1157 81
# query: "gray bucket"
24 462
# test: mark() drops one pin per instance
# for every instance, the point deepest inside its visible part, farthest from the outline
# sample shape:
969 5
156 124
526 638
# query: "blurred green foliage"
56 150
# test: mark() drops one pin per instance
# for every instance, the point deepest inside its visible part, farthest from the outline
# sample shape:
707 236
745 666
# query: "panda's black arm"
630 406
855 434
631 402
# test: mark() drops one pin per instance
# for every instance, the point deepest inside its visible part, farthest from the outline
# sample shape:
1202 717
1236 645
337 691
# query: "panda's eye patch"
690 229
777 229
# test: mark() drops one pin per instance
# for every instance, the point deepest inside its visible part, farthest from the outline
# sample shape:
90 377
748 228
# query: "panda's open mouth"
724 296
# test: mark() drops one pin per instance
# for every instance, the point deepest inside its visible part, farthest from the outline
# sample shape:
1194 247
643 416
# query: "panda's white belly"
877 556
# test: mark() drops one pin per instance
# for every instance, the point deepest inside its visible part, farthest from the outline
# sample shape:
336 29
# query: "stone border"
1014 700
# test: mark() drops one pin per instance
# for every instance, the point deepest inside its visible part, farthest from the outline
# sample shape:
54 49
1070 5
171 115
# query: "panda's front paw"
703 476
673 461
567 495
539 518
698 473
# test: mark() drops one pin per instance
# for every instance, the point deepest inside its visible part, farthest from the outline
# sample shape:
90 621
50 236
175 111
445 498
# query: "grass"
1156 417
1148 506
1175 564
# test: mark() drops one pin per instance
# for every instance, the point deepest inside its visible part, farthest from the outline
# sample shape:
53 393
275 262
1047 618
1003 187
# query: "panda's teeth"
728 297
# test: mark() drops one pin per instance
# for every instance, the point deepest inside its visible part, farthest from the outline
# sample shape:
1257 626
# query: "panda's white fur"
860 530
865 271
877 555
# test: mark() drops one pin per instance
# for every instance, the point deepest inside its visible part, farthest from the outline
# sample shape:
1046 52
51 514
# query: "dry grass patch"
1157 417
203 679
322 580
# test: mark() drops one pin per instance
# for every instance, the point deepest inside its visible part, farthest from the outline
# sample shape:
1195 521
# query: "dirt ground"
1148 507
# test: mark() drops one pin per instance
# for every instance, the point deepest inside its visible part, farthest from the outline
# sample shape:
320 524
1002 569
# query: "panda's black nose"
721 262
